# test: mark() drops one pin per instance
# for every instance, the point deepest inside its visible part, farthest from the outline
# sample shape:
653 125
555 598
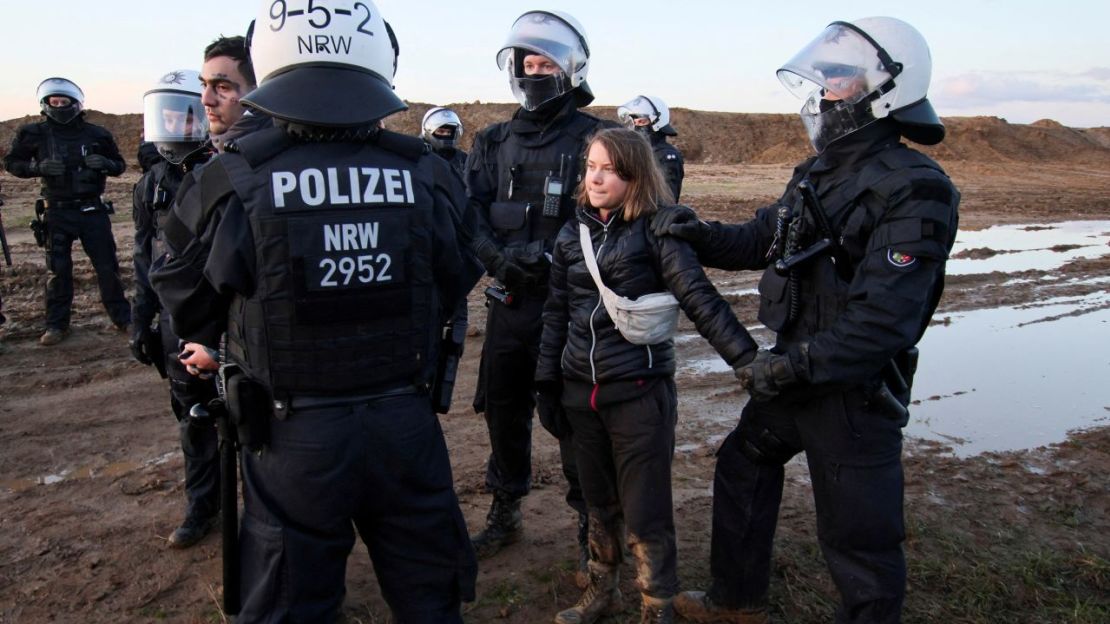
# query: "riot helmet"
648 107
442 128
555 35
60 87
330 66
855 73
173 115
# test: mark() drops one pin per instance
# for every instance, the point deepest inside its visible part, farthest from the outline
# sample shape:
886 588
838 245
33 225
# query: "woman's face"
605 188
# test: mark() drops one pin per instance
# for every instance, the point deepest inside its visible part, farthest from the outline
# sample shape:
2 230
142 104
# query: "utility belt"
83 204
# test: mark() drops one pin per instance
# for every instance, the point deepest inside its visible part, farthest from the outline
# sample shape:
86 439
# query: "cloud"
980 89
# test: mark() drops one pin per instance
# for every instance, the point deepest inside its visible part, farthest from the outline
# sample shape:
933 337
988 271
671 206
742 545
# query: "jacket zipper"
593 331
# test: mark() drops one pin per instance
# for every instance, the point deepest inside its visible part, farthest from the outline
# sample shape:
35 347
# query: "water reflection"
1026 247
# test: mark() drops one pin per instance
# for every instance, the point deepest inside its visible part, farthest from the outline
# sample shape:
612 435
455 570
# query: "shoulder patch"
900 259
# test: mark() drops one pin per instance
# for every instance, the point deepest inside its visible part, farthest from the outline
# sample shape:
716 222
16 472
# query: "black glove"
681 222
549 405
50 167
139 337
96 161
766 376
508 272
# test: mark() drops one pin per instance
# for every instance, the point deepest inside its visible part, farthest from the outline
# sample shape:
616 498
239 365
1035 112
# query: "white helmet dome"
555 35
650 107
857 72
323 63
437 118
63 87
173 115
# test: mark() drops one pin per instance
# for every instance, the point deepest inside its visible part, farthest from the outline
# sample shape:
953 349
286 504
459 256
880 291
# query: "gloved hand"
549 405
140 334
50 167
681 222
531 260
508 272
766 376
96 161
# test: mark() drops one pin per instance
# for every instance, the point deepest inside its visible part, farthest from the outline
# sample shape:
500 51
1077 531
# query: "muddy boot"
53 336
582 573
600 598
192 531
696 606
504 526
656 610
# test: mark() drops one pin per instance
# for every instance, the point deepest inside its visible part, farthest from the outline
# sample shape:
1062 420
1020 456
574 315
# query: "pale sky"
1022 60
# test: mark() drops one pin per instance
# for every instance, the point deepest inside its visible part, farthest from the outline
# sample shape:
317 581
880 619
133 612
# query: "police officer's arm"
556 315
895 287
109 150
452 261
145 304
20 160
699 299
741 246
481 191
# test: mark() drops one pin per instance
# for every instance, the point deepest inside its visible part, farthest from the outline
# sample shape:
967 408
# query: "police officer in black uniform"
175 123
649 114
521 177
73 158
853 255
442 130
328 250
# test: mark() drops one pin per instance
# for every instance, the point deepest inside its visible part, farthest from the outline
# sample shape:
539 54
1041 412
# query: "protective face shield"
173 116
557 36
60 87
647 107
855 73
323 63
437 118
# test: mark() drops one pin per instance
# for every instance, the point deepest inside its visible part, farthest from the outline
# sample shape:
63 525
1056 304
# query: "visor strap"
889 65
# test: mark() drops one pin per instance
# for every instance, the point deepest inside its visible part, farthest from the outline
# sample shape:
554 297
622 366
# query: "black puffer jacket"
580 342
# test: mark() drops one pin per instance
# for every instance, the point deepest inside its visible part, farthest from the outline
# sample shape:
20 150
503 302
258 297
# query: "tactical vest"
810 300
70 145
344 301
158 196
518 215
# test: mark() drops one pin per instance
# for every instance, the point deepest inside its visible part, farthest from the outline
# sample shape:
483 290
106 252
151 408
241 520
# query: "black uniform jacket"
581 343
69 143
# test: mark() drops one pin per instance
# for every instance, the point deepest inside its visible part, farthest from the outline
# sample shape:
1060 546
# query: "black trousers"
379 467
854 456
199 442
94 229
624 454
507 395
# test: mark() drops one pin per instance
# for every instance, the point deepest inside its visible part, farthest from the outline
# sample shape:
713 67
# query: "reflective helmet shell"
436 118
65 87
173 115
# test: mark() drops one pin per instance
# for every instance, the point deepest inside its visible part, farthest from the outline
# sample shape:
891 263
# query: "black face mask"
62 114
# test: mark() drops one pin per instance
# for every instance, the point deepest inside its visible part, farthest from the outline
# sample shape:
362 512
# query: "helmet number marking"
319 16
366 268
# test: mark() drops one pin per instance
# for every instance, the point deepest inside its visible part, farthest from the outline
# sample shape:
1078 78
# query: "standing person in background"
618 391
649 115
74 159
442 130
853 257
521 176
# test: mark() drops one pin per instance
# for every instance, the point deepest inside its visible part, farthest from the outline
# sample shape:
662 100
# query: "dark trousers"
624 454
199 442
506 392
94 229
380 467
854 456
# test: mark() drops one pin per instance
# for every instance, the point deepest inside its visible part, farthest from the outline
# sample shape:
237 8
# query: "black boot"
192 531
504 526
582 573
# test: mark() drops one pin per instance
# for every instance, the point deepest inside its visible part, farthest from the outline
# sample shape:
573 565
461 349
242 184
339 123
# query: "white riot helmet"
324 63
857 72
441 117
553 34
62 87
173 116
647 107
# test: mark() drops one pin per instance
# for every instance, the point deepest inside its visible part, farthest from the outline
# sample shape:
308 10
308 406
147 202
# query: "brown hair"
635 163
235 48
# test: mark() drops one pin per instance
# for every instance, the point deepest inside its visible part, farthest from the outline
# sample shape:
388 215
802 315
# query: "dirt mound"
740 138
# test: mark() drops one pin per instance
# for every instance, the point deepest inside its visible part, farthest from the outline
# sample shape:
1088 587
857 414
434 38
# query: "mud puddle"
1023 247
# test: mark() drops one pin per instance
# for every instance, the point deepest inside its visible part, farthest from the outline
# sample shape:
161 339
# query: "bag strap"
591 264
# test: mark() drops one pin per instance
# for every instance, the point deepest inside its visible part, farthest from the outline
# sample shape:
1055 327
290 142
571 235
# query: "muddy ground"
91 472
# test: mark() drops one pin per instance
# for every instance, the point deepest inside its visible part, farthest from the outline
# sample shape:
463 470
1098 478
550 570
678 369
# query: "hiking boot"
656 610
53 336
696 606
504 526
600 598
582 573
192 531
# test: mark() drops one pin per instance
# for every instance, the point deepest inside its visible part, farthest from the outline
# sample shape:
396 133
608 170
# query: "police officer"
853 256
442 130
175 124
73 158
650 115
330 255
521 177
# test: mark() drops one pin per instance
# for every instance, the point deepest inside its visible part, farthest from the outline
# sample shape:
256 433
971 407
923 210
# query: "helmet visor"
840 61
639 107
173 117
828 120
546 34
